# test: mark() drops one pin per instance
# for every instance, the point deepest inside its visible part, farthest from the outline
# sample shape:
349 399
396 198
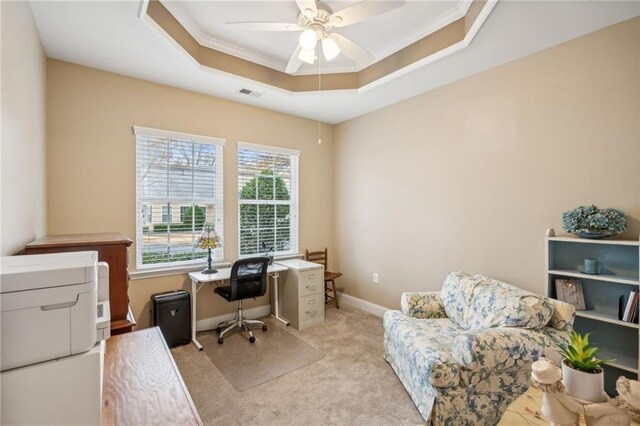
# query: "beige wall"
469 176
23 129
91 161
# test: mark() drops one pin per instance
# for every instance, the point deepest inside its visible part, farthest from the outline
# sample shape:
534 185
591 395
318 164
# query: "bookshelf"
619 274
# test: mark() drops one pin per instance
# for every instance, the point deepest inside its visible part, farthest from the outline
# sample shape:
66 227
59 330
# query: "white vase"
585 386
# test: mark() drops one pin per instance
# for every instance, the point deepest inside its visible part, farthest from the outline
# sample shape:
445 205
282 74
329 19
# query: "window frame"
217 201
294 205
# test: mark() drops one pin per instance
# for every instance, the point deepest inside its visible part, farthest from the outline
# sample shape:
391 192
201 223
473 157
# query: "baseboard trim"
212 322
362 304
264 310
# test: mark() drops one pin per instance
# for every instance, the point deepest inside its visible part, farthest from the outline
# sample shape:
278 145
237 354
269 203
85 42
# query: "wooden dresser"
113 248
142 384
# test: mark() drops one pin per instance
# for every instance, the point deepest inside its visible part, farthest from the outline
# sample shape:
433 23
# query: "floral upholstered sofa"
465 353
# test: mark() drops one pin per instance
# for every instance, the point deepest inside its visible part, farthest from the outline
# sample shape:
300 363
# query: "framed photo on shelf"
570 291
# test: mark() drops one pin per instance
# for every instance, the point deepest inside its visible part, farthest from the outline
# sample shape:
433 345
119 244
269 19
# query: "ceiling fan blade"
362 11
352 50
264 26
308 8
294 62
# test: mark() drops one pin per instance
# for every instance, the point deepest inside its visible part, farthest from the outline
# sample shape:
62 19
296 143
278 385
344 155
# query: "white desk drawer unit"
301 295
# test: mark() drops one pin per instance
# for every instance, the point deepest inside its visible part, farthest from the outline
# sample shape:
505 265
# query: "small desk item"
142 384
113 248
198 279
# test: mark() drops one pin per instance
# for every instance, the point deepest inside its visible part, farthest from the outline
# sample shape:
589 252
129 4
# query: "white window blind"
267 200
178 190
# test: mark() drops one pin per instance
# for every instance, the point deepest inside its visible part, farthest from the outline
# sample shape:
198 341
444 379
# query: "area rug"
246 365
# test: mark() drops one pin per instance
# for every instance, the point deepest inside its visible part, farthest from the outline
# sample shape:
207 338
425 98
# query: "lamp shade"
209 238
307 56
330 48
308 39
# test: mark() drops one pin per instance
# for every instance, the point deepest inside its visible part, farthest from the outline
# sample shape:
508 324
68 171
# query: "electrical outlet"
376 278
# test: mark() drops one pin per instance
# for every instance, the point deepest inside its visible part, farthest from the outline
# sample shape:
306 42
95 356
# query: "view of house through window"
267 199
179 189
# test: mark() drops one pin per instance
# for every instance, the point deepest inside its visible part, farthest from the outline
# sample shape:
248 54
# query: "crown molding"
430 28
468 38
192 28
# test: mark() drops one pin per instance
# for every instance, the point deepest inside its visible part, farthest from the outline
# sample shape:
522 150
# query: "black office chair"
248 280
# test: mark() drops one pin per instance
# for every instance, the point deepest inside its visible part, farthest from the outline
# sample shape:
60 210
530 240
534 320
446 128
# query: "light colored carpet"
245 365
352 384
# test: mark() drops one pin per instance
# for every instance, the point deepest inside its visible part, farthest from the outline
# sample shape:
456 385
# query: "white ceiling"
110 36
381 35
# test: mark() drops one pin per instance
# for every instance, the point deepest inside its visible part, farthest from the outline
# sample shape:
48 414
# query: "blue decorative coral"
592 222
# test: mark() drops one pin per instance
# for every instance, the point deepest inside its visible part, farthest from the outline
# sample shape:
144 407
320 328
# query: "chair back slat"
317 257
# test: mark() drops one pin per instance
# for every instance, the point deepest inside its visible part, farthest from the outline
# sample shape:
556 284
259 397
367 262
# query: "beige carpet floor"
351 384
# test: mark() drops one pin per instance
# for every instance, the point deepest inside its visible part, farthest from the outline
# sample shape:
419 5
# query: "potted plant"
592 222
582 372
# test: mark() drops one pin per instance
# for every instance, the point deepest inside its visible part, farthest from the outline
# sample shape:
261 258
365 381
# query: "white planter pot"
585 386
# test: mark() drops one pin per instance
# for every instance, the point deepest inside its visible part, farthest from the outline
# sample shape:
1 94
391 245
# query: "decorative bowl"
594 234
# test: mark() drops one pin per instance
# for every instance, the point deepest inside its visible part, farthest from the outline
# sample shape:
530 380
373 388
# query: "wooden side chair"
321 257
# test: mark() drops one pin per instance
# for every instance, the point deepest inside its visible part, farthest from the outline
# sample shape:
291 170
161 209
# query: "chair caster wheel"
220 340
252 339
264 328
218 330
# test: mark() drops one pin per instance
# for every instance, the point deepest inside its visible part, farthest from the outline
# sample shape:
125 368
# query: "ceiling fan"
316 19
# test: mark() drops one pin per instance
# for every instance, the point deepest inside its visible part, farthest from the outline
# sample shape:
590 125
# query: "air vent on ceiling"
250 92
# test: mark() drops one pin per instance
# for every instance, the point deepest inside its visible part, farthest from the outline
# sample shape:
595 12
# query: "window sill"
166 272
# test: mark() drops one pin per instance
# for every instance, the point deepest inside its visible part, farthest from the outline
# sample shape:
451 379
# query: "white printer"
52 306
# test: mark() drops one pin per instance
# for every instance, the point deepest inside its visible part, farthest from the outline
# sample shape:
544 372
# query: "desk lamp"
209 239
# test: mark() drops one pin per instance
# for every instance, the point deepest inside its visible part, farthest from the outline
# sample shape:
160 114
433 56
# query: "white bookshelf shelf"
600 316
622 361
619 264
574 239
597 277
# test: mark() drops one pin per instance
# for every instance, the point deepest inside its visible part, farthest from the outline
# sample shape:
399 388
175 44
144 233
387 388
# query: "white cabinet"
618 274
301 293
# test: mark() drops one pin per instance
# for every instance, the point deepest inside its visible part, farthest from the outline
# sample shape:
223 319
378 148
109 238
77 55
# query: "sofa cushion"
498 349
476 301
563 315
423 346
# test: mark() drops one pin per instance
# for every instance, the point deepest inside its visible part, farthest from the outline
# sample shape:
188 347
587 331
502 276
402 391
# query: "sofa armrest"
498 348
423 305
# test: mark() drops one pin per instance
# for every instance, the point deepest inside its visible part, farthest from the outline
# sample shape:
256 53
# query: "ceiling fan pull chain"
319 91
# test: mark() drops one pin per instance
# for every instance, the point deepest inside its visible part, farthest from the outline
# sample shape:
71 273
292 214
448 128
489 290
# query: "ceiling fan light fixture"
308 39
307 55
330 48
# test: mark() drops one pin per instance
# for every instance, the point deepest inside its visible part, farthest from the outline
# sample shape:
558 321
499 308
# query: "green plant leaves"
580 355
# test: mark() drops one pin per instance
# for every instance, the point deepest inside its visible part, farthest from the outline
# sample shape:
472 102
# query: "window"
166 213
199 211
267 199
148 215
179 176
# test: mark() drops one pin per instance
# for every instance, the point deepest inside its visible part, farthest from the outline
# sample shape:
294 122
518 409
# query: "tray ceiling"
381 35
110 36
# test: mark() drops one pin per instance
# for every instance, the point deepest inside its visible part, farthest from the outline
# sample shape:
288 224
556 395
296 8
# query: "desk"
198 279
142 384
